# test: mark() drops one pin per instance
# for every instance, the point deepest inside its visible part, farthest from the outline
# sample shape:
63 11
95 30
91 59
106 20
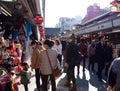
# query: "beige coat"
36 58
45 66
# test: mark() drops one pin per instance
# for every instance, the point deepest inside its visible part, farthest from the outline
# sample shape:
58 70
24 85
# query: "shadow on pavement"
82 83
101 86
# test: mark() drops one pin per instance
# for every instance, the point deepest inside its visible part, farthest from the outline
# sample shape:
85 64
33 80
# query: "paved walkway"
85 82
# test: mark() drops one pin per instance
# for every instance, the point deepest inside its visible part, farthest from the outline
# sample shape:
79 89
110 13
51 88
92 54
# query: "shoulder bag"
55 72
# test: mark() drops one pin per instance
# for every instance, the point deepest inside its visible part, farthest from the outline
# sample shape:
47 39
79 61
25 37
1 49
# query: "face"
93 42
56 42
103 39
45 46
33 46
70 40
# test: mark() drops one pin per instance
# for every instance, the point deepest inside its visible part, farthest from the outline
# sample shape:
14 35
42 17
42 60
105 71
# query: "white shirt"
59 49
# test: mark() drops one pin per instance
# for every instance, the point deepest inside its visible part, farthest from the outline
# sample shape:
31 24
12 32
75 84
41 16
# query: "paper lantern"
38 19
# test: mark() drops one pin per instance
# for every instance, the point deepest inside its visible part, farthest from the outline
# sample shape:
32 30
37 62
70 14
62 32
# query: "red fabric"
0 57
38 19
41 30
15 87
114 3
83 49
19 67
3 80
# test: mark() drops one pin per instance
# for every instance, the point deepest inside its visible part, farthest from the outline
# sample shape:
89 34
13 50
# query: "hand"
107 63
31 69
109 88
66 64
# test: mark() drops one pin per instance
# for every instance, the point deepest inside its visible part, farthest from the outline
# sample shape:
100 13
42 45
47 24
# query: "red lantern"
38 19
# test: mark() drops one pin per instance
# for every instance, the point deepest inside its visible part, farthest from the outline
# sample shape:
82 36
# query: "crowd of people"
100 52
50 54
97 51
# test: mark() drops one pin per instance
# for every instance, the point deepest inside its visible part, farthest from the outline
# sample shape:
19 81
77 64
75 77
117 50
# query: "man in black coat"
101 55
70 57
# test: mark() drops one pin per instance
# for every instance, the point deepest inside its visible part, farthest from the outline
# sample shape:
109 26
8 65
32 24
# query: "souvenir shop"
16 29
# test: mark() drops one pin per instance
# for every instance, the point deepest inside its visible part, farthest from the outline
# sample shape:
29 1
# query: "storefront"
17 28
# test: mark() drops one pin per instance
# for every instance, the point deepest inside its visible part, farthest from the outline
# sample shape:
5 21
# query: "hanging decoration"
41 30
38 19
115 6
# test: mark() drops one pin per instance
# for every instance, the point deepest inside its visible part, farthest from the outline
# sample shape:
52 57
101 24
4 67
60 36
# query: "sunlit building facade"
65 23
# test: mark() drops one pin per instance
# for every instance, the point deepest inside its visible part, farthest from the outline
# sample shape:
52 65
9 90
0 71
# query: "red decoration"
114 3
38 19
41 30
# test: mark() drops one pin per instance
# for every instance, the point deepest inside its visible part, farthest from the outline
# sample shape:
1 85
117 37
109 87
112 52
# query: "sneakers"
73 88
67 83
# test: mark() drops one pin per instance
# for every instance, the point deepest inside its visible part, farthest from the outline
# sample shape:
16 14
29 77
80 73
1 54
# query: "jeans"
91 62
37 76
59 58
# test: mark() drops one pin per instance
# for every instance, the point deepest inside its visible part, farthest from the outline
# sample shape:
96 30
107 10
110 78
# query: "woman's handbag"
56 72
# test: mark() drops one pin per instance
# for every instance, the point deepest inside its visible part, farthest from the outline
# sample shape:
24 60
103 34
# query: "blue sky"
68 8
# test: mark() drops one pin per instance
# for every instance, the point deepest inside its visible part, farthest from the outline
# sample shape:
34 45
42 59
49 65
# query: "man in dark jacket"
101 55
70 56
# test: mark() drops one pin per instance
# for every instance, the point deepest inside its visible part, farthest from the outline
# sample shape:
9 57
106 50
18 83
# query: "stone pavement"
85 82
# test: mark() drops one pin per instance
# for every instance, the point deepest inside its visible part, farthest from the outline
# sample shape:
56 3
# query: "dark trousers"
84 60
100 69
70 74
45 80
59 58
26 87
37 76
91 63
107 68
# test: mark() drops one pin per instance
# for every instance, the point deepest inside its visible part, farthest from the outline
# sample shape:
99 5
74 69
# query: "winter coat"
100 51
114 74
71 53
91 50
83 49
45 66
36 58
23 75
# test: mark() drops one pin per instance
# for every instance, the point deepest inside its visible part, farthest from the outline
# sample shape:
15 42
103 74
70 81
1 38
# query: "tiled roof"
52 30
